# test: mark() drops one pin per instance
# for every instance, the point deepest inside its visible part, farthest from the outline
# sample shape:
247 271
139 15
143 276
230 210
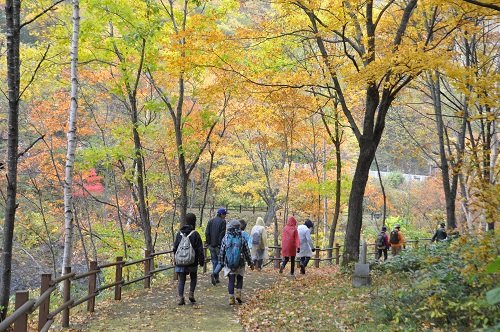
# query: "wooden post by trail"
316 256
147 262
205 255
118 277
337 254
43 310
277 256
92 287
21 324
66 297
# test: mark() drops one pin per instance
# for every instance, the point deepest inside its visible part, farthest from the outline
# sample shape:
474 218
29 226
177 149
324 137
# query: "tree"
70 155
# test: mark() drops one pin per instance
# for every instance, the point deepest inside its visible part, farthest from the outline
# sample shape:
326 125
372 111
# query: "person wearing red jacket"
290 244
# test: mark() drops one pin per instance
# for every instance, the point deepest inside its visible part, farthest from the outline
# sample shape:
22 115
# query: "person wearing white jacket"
306 245
258 236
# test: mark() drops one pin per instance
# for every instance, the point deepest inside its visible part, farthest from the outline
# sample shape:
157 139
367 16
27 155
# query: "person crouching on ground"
188 249
306 244
233 254
440 235
289 244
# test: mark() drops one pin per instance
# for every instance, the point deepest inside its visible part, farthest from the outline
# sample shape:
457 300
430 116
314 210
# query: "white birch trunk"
70 153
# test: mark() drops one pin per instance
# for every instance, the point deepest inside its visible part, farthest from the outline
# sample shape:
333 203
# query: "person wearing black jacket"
192 270
214 233
440 234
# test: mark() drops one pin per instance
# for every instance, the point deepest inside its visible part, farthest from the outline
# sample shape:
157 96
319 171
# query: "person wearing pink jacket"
290 244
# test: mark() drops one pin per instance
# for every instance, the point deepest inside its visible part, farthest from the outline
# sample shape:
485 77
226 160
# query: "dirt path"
157 310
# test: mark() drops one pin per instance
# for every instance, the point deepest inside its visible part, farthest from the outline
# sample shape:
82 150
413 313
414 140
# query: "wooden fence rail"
24 306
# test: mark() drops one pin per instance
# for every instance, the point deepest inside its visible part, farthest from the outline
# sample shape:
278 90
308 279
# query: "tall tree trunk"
383 192
12 29
338 178
71 147
207 183
355 216
449 193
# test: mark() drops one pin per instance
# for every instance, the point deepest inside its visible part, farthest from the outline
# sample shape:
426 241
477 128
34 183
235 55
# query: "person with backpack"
382 243
246 236
259 247
233 254
306 244
290 244
214 233
397 240
440 234
188 254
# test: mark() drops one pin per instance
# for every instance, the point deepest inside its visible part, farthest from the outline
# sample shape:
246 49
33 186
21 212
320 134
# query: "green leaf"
493 296
493 266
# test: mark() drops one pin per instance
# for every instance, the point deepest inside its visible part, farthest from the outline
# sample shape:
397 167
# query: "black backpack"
380 241
394 237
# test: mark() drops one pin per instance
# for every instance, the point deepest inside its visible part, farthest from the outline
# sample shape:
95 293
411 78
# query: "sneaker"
191 298
281 269
217 280
181 301
231 300
302 270
212 278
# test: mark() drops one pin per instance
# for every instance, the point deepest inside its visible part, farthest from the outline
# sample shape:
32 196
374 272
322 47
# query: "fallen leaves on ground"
321 300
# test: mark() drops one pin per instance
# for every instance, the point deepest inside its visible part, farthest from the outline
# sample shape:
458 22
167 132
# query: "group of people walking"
396 240
231 246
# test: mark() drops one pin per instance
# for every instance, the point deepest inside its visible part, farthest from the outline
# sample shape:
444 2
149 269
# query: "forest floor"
156 309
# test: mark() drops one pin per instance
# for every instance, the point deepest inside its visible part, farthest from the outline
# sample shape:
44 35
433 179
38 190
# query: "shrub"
443 286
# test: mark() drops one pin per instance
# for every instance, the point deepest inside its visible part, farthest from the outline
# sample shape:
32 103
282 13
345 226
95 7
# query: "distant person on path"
214 233
259 243
397 240
440 234
233 254
246 236
306 244
289 244
188 249
382 243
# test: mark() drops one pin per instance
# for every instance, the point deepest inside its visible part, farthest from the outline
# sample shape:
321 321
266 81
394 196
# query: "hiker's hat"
221 211
397 226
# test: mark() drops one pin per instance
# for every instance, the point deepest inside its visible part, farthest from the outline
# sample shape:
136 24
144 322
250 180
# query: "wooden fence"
24 306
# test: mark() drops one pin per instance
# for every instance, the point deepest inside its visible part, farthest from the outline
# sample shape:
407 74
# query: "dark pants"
292 262
303 261
239 283
182 282
214 257
379 254
258 263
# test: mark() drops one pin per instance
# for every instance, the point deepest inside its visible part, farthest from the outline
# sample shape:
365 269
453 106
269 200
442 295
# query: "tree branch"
40 14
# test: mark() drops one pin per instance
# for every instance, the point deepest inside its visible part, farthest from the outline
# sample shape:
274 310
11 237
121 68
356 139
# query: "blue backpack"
234 243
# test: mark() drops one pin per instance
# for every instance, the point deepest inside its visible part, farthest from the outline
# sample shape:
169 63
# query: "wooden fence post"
329 252
66 296
337 254
205 255
92 287
277 254
43 310
21 324
147 270
416 243
118 277
316 262
376 251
